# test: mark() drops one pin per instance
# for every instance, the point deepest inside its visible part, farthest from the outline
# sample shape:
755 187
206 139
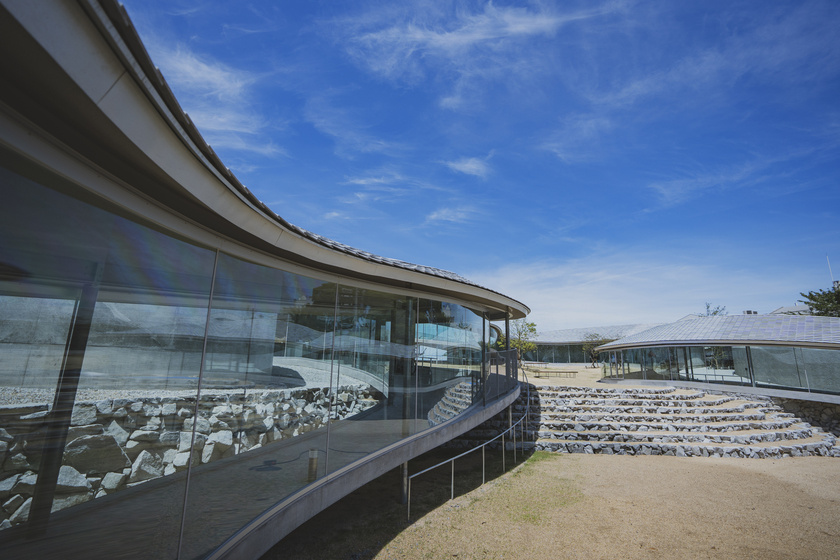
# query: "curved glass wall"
557 354
774 367
157 395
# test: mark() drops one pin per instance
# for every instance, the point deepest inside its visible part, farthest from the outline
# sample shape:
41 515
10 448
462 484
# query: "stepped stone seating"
661 421
456 399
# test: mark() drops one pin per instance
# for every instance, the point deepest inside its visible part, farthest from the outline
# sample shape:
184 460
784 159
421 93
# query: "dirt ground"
558 506
597 506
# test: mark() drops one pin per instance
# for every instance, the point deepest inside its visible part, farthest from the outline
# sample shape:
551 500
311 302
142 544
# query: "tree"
522 334
592 341
713 311
825 302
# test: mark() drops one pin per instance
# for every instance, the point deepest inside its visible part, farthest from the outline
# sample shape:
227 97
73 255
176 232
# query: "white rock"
69 500
83 414
71 481
145 467
112 481
222 440
22 513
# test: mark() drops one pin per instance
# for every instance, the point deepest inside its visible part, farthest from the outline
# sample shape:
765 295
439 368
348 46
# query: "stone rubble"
455 400
133 437
662 421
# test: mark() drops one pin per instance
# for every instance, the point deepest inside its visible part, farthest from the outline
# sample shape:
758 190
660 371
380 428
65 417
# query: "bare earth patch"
598 506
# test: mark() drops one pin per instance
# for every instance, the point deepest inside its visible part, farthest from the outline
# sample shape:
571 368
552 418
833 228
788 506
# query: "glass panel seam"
197 400
332 365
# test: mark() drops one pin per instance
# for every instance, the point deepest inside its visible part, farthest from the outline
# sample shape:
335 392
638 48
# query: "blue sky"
603 162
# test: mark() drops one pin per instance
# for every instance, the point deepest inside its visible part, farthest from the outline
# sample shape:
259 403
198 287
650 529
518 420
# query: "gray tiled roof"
734 329
565 336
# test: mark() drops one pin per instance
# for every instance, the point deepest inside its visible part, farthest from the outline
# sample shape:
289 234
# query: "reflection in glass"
820 368
103 322
374 353
777 367
135 365
261 423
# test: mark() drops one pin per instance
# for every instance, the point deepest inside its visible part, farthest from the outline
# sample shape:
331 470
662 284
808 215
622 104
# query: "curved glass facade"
156 394
798 368
556 354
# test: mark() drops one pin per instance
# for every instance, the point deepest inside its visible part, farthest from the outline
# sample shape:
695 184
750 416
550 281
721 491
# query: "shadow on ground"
361 524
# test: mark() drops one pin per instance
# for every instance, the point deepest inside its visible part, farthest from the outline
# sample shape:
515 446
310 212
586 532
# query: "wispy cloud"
351 136
637 286
755 171
201 76
466 45
217 98
479 167
453 214
773 48
385 185
579 137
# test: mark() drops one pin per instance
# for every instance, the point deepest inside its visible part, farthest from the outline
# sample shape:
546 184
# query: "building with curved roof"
566 346
773 351
184 374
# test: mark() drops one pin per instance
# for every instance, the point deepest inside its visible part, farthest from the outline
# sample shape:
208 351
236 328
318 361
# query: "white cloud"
637 287
456 215
201 76
478 167
769 49
217 97
350 136
579 137
468 46
388 184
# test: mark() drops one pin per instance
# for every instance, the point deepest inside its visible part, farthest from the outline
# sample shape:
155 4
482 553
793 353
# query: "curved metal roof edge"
119 18
725 331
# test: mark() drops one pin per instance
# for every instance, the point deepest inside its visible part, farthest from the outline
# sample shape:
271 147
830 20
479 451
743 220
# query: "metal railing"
523 422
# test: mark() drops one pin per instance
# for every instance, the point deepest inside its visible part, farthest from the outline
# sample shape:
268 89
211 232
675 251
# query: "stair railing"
523 422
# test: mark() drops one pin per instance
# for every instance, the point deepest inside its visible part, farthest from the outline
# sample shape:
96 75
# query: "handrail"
525 418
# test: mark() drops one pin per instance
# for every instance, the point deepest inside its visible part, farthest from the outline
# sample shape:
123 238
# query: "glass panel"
632 363
656 363
820 366
102 326
545 353
449 360
776 367
263 412
373 359
716 364
576 354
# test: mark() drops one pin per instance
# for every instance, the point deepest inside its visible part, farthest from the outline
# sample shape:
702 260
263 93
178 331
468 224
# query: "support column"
58 421
404 485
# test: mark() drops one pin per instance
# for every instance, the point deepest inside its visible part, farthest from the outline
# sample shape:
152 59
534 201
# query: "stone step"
741 407
612 390
631 402
741 437
636 418
669 427
684 396
657 421
455 400
822 446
